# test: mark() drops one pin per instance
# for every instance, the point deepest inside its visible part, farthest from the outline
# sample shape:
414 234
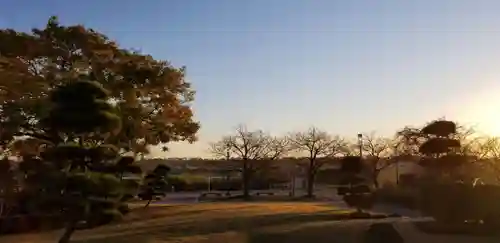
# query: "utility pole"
228 157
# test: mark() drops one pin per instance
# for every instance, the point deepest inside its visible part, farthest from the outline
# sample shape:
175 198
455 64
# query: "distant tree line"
440 147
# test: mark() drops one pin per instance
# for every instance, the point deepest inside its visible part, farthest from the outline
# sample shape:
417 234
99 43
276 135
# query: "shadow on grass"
248 225
317 233
260 198
143 214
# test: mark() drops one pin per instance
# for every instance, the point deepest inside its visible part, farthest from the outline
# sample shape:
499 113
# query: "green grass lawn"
220 222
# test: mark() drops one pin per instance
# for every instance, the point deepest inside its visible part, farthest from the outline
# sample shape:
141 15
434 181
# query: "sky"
285 65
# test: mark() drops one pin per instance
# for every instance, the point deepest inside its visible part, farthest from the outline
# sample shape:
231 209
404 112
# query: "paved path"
179 198
389 209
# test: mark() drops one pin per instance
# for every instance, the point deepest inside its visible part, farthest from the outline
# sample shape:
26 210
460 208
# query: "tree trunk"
2 206
375 179
149 202
246 180
70 228
310 179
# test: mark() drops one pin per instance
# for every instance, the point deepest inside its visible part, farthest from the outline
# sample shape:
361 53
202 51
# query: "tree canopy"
152 97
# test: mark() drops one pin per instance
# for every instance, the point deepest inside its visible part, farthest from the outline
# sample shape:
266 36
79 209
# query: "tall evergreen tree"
71 176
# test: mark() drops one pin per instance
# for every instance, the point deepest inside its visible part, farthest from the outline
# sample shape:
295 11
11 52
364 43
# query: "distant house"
389 175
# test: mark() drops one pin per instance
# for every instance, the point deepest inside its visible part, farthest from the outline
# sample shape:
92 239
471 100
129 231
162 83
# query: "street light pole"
360 143
228 157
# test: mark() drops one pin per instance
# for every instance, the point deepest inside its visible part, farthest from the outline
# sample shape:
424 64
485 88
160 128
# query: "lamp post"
228 157
360 143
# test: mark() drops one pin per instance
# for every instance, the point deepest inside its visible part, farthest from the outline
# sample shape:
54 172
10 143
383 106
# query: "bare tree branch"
244 145
378 149
314 141
378 152
338 147
485 152
276 147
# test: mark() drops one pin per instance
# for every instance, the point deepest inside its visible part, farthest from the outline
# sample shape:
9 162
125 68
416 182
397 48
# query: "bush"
403 197
200 183
360 201
27 223
459 202
342 190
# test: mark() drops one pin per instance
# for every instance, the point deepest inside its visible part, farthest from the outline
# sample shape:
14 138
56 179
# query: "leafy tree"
68 176
253 149
316 144
152 97
155 184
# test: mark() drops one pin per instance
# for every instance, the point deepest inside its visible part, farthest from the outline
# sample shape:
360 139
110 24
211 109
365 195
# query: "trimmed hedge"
201 184
449 203
402 197
460 202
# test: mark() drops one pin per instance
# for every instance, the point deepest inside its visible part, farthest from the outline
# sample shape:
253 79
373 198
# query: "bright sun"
485 114
490 125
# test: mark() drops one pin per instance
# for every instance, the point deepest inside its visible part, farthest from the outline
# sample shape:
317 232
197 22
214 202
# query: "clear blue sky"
283 65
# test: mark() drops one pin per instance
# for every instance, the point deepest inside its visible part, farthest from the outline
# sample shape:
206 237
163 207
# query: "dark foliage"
351 164
72 179
440 128
356 193
155 184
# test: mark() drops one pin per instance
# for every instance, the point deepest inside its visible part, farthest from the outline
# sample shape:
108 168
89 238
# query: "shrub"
400 196
360 201
200 183
455 202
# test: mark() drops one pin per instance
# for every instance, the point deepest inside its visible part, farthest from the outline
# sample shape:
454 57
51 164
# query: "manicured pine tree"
355 191
440 150
155 184
79 177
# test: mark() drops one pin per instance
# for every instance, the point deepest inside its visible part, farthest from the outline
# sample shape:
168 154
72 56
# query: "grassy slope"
221 222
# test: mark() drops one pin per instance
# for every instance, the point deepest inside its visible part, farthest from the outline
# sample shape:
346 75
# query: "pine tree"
75 177
155 184
440 149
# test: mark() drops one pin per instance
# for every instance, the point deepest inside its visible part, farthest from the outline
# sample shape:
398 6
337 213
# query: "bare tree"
267 167
316 144
276 148
379 151
485 152
250 148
